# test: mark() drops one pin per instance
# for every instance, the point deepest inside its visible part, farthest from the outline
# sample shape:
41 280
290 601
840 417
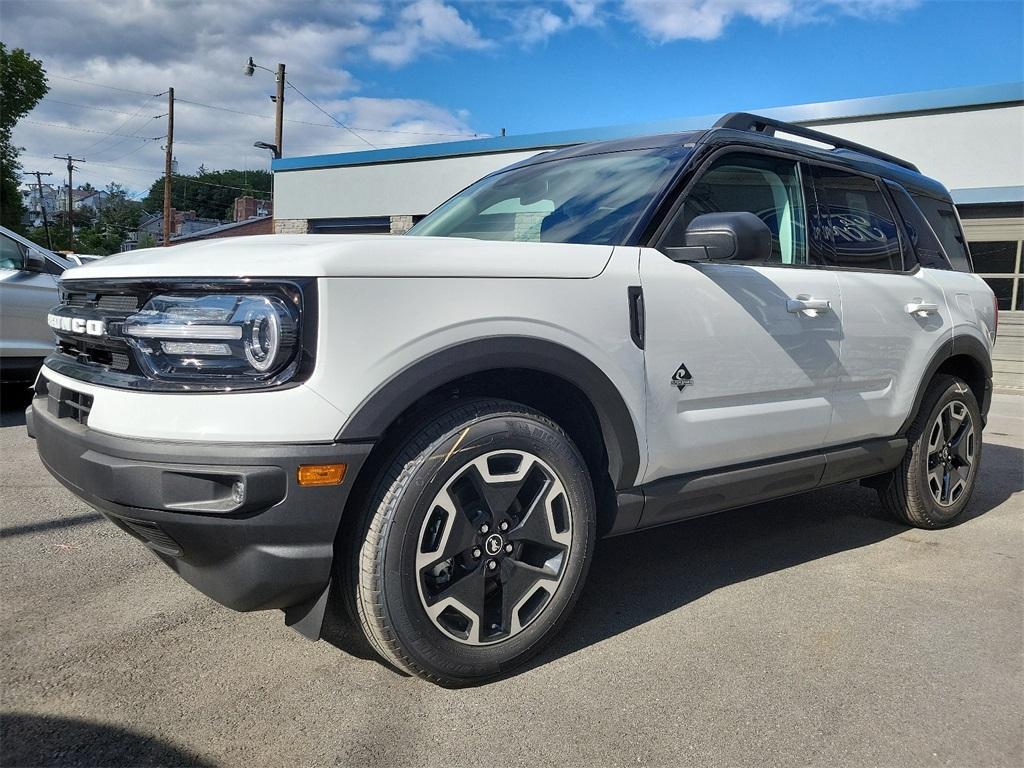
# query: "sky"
388 72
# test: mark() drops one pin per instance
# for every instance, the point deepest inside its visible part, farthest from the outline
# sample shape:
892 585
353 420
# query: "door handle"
808 305
921 308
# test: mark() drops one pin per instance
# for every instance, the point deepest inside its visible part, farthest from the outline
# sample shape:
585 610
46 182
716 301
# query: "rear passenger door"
894 313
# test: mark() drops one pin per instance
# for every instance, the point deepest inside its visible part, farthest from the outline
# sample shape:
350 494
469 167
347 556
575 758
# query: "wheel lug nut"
476 552
508 547
491 565
485 528
504 525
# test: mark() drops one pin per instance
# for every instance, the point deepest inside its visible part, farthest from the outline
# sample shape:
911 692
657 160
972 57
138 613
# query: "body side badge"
681 378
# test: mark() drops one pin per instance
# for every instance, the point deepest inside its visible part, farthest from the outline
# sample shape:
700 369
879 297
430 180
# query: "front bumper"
273 548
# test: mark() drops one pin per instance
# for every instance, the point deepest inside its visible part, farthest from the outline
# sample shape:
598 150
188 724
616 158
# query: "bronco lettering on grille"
77 325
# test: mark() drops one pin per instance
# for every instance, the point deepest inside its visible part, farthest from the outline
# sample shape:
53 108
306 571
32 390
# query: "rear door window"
942 217
858 221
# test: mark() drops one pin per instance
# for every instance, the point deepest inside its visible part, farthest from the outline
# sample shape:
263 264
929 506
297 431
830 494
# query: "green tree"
22 85
211 194
116 219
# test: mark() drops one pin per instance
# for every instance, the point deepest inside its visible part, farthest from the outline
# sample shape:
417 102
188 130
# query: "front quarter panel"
374 329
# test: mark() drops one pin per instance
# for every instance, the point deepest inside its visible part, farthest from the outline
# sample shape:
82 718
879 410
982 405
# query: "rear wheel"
934 483
476 544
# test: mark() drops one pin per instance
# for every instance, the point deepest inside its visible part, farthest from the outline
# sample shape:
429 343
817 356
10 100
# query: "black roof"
742 127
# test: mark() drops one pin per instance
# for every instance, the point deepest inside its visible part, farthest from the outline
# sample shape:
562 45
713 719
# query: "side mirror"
732 236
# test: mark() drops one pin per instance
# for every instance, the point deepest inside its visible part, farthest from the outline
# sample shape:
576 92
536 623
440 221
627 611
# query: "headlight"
222 339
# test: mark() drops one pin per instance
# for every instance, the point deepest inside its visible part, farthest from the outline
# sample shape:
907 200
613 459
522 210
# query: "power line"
194 180
101 85
332 117
323 125
131 151
89 130
338 123
48 100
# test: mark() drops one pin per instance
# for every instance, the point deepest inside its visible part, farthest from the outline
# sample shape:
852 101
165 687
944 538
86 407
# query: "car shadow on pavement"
13 402
44 740
637 578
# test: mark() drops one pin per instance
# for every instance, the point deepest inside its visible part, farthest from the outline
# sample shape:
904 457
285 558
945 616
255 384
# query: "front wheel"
934 483
477 542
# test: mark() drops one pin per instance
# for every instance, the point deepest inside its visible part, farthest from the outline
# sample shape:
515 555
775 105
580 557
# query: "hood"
352 256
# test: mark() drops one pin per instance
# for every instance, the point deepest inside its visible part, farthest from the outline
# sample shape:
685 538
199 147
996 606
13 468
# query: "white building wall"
963 150
407 187
972 148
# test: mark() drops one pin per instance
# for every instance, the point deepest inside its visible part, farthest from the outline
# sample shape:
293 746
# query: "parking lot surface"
809 631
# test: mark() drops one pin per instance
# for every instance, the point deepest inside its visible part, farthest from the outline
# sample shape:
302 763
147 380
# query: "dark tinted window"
942 217
1002 287
768 187
926 245
997 256
857 219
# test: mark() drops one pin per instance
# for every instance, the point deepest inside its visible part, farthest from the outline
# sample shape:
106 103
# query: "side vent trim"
636 315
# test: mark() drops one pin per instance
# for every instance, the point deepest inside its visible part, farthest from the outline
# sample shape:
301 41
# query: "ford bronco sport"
429 432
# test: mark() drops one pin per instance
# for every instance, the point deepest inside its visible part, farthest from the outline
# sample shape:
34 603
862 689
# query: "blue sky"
614 73
421 71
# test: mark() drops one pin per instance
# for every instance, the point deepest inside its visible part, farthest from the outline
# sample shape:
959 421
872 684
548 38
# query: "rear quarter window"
942 217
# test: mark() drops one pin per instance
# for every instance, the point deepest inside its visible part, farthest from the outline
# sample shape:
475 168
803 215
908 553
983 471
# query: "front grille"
99 354
92 354
64 403
116 303
105 302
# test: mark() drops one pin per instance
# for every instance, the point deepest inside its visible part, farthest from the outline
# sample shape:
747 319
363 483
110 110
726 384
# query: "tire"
933 485
441 596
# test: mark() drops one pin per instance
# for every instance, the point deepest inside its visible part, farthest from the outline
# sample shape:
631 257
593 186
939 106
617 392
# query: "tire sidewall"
419 637
938 515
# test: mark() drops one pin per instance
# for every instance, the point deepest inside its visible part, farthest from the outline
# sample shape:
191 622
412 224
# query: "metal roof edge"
872 106
221 227
981 195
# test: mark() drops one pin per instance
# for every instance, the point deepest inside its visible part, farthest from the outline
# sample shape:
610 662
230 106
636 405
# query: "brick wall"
291 226
400 224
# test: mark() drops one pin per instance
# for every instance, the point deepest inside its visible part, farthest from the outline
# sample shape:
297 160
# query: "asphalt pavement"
806 632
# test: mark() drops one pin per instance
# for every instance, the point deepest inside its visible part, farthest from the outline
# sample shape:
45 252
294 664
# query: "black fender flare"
957 346
372 417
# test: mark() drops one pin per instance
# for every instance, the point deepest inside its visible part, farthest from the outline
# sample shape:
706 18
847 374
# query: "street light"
278 145
265 145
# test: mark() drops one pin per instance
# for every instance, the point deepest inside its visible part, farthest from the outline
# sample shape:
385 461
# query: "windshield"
591 199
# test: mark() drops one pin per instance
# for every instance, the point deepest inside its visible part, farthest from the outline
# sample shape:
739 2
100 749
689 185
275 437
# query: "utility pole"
279 122
42 204
168 161
71 169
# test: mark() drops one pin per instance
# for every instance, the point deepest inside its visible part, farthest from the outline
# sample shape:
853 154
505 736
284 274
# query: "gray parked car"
28 288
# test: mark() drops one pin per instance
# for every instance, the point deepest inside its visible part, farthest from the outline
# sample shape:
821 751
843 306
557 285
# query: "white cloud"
425 25
200 49
668 20
537 24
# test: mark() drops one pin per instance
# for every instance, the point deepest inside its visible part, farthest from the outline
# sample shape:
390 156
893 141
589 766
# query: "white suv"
431 431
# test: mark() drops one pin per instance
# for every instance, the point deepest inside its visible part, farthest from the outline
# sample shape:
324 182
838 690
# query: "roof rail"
745 121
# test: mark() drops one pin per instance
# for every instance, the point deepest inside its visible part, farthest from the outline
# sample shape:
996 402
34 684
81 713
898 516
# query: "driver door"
736 371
